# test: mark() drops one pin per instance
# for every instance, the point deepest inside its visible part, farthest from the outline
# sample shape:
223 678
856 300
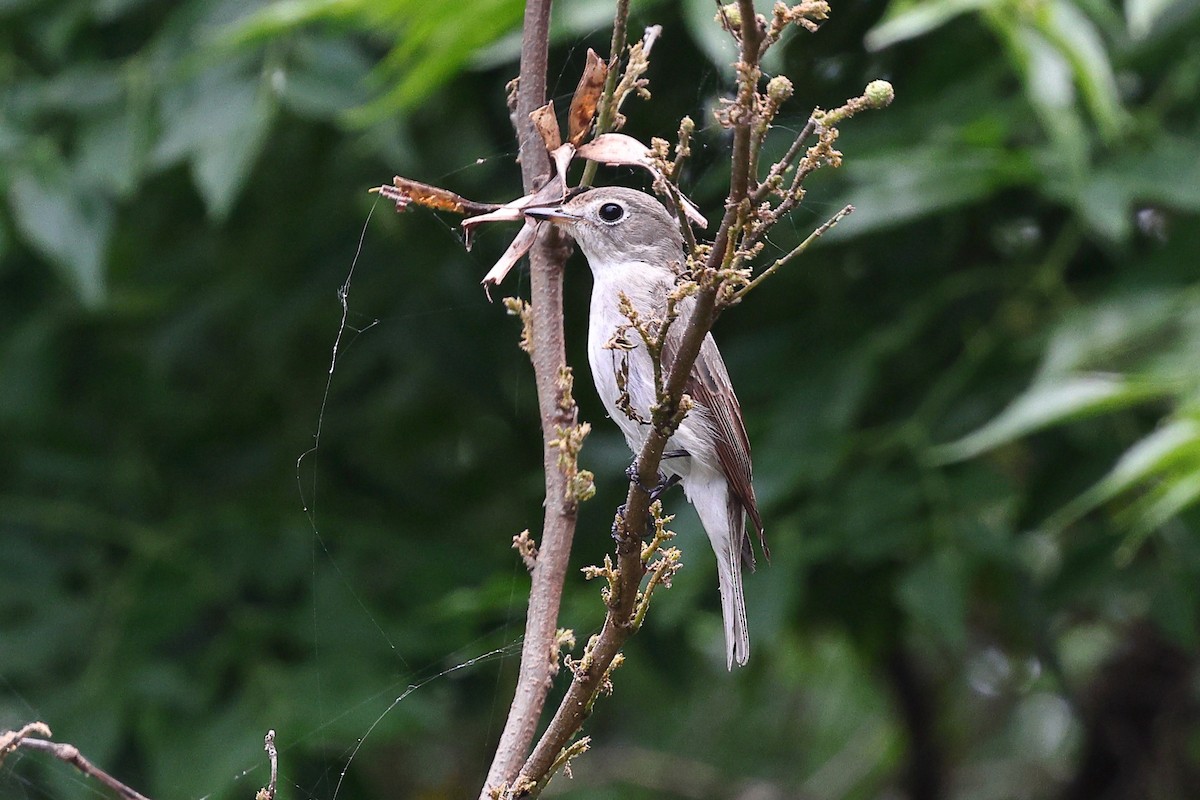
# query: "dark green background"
973 409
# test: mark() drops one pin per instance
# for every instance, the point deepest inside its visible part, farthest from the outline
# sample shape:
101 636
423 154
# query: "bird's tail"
733 604
725 523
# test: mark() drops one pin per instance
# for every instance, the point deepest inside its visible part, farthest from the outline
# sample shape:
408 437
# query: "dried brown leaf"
617 149
587 98
512 211
520 246
552 192
404 191
563 156
547 126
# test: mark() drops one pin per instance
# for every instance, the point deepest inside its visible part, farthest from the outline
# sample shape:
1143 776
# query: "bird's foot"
664 483
632 472
663 486
618 526
620 530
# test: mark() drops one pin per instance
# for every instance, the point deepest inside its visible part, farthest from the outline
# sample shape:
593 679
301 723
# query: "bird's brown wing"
709 386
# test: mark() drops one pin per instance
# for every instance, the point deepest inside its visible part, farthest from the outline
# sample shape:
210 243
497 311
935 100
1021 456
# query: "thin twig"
739 173
608 110
789 158
268 791
69 754
797 250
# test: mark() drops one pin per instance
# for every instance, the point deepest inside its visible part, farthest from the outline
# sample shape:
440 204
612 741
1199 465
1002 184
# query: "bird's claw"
632 472
618 523
620 531
663 485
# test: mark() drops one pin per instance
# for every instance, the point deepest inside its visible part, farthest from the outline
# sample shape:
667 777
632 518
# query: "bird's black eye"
611 212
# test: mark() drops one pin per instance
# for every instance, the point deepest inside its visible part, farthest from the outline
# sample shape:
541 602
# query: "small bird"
634 245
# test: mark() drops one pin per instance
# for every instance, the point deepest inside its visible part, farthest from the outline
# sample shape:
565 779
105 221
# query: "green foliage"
973 408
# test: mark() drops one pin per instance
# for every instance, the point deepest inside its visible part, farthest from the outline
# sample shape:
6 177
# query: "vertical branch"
607 110
557 410
750 35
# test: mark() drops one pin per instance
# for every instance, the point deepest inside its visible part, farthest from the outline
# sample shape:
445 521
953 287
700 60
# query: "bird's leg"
619 524
655 492
632 471
661 489
664 483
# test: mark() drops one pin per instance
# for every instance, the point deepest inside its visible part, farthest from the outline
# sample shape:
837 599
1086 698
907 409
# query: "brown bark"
546 259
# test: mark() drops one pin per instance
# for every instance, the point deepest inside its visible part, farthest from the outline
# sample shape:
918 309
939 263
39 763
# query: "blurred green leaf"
66 222
1142 15
437 40
114 149
1081 45
285 16
1177 441
78 89
432 40
1161 504
934 593
1050 88
324 77
908 19
1115 335
1166 173
902 185
218 122
1050 402
716 44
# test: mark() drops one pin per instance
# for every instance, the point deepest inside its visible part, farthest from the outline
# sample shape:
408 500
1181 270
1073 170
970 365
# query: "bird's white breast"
648 297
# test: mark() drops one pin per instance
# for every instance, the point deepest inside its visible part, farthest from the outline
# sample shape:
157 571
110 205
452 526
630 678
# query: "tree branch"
795 251
607 110
32 737
539 660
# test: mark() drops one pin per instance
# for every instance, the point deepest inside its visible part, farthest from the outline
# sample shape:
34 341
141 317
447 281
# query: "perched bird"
634 246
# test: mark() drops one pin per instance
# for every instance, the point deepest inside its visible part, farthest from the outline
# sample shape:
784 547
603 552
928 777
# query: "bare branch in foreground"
28 738
591 675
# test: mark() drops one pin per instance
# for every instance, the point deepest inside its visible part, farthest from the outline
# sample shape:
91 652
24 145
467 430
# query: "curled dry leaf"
520 246
586 99
563 155
547 126
619 149
552 192
404 191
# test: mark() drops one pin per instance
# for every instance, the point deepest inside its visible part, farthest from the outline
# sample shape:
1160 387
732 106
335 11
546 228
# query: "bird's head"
617 226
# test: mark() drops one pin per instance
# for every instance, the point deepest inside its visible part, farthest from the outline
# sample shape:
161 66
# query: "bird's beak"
551 213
